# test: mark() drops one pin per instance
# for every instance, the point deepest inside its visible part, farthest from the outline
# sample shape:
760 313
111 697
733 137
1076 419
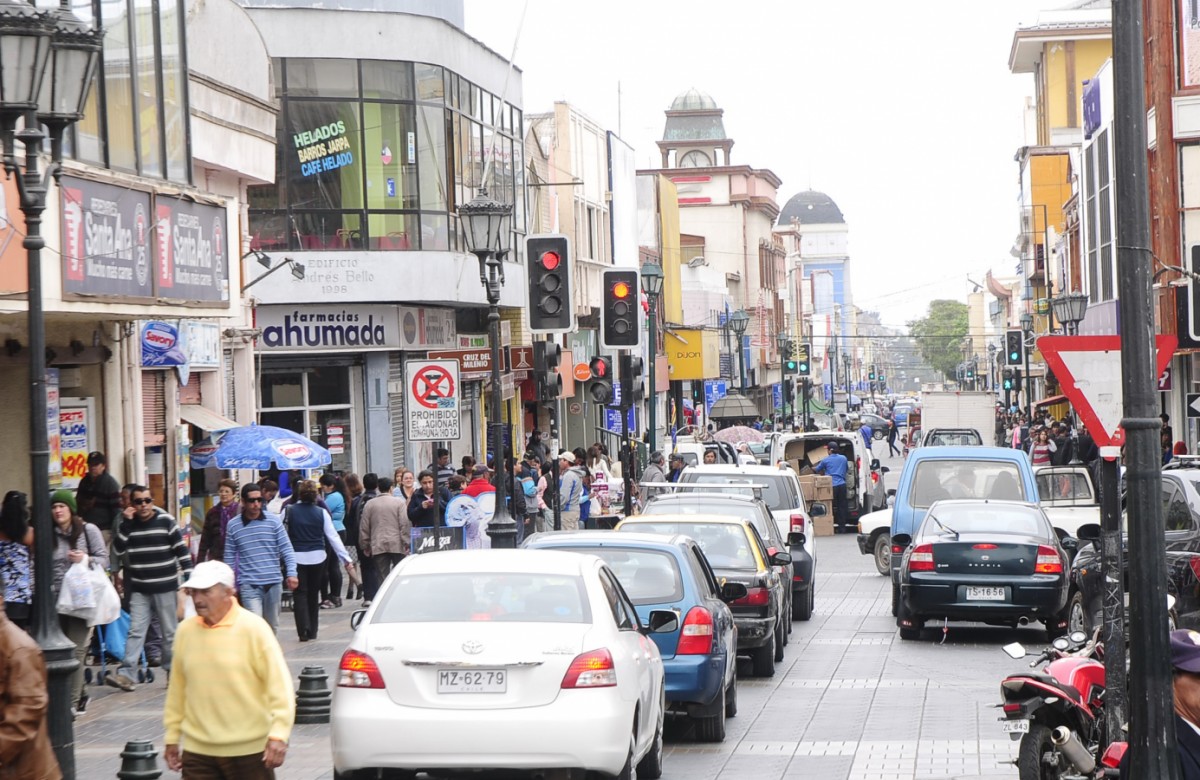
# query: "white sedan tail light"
358 670
593 669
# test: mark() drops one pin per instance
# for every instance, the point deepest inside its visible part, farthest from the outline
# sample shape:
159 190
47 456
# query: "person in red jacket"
479 482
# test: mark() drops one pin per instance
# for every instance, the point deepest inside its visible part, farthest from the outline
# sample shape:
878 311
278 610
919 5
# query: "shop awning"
206 419
1054 399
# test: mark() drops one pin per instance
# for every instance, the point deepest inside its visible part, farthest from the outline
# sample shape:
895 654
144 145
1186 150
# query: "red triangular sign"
1089 370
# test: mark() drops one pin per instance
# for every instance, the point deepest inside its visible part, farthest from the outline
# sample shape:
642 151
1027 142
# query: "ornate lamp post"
737 323
652 285
47 64
488 237
1070 309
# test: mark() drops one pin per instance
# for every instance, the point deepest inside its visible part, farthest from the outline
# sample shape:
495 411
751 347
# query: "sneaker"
119 681
154 660
326 604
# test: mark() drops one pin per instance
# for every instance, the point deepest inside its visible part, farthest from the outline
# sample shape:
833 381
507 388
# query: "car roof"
663 498
966 504
706 519
735 468
958 452
554 539
498 561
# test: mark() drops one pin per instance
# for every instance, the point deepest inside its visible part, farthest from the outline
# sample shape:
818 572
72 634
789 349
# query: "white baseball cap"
209 573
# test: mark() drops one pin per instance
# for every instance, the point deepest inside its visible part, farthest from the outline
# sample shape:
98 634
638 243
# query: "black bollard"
313 697
139 761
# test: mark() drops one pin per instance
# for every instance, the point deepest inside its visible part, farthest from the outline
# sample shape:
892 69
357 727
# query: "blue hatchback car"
671 572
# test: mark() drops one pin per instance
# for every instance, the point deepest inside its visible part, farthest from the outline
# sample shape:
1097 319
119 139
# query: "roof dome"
693 100
811 208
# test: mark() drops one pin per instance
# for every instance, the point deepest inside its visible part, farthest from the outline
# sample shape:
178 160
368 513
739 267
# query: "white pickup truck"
1068 497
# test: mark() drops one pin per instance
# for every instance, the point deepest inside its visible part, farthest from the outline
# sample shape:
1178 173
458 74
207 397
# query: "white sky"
903 112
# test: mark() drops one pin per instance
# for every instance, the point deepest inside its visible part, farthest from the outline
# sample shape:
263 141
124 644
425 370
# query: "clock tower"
694 136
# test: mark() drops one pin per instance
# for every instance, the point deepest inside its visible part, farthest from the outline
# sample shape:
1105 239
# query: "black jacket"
1189 752
421 517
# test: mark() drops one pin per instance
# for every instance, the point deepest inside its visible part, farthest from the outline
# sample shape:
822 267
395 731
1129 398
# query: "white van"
865 490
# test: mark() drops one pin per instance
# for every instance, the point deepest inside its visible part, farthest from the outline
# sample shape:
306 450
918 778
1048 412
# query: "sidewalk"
114 717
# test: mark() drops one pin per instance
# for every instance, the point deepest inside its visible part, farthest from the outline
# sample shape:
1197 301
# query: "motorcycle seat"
1069 690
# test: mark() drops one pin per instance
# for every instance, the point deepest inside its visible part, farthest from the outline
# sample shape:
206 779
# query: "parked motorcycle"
1057 713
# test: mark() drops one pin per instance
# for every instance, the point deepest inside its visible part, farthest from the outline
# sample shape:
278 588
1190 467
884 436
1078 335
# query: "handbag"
77 597
108 601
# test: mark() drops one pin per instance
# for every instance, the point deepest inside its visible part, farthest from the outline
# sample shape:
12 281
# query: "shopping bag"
108 602
77 598
113 636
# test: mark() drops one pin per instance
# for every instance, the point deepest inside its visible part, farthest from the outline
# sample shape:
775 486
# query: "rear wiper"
945 527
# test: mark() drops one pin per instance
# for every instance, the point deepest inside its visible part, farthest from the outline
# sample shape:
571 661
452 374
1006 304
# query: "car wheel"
883 555
763 658
780 641
895 600
628 772
1077 614
712 728
878 435
651 765
804 610
731 699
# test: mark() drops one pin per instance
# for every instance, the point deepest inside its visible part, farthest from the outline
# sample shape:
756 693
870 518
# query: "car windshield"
937 480
985 519
1068 486
648 576
703 506
500 597
724 544
774 493
953 439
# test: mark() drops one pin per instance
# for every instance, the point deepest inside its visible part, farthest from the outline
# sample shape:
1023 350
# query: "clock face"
694 159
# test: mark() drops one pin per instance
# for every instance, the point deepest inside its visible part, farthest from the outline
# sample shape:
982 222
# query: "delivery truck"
960 409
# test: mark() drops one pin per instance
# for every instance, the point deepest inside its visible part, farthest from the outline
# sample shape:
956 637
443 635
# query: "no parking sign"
432 400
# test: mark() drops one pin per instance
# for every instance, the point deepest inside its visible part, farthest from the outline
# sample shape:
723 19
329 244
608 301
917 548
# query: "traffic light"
789 360
619 317
970 373
601 387
1008 379
546 357
1014 347
871 373
632 390
550 309
802 357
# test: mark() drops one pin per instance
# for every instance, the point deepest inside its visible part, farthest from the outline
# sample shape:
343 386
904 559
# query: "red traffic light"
620 290
599 368
550 260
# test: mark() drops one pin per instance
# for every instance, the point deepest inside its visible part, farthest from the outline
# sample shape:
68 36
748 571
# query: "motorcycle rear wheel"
1038 758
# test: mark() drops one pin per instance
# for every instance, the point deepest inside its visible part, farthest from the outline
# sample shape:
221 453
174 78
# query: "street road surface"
849 702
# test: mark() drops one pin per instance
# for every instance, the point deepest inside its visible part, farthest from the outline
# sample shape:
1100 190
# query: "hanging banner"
52 428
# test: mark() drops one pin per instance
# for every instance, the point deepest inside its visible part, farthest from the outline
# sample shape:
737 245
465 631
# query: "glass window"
335 436
282 390
1065 487
325 160
328 386
648 576
384 80
118 87
269 230
89 141
149 131
326 229
322 78
491 596
174 118
937 480
431 156
394 231
988 519
724 544
390 162
429 82
435 231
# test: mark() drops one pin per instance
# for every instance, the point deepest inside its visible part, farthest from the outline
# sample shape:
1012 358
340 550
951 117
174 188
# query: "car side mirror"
875 464
883 469
1070 544
796 539
781 559
356 618
1088 532
891 492
817 509
1015 650
732 591
662 621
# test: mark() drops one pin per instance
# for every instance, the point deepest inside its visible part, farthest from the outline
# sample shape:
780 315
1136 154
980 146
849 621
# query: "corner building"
390 118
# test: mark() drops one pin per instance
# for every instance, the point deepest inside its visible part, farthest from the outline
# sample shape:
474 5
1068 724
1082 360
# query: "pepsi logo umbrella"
258 447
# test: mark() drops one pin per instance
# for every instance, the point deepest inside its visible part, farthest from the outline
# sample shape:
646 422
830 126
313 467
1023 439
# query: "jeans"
306 600
140 606
331 579
384 563
841 509
78 632
370 577
263 600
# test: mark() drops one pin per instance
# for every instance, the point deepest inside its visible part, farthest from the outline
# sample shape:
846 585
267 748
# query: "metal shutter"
190 393
396 407
230 385
154 409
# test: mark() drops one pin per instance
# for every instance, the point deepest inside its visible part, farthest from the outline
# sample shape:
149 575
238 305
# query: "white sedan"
501 659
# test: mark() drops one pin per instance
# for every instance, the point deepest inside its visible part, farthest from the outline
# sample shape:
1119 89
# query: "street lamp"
47 63
737 323
486 223
1070 309
1027 328
848 381
781 342
652 285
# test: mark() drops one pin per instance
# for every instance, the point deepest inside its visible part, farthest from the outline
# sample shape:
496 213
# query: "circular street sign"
575 408
431 383
582 372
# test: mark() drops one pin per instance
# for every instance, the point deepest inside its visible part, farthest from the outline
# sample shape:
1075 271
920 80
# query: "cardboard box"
823 526
817 455
824 488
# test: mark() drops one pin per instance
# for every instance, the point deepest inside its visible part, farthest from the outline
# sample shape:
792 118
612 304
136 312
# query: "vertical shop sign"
52 428
74 426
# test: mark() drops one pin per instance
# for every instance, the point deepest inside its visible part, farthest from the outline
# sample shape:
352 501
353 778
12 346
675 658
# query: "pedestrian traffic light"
601 388
619 317
632 390
548 381
550 308
803 351
1008 379
1014 351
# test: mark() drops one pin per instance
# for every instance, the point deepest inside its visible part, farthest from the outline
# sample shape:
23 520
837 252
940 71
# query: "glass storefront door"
315 402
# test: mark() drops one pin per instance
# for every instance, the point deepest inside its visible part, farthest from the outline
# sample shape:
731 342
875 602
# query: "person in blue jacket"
834 465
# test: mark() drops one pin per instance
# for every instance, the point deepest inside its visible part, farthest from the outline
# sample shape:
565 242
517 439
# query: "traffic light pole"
626 460
1028 386
553 409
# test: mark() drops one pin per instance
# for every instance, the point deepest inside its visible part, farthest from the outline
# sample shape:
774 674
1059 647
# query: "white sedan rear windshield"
775 494
698 506
484 596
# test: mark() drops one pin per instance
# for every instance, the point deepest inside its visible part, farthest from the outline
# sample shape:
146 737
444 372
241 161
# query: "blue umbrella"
258 447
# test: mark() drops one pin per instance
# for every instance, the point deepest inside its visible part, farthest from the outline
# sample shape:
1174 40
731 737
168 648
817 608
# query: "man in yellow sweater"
230 695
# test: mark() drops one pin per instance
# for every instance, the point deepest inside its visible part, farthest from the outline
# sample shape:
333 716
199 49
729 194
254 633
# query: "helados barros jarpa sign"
322 328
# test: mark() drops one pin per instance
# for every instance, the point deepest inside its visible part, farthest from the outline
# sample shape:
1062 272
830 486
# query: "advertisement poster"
52 429
106 240
183 474
74 426
191 250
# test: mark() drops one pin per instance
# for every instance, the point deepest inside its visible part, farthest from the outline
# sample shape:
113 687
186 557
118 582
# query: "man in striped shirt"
154 553
258 549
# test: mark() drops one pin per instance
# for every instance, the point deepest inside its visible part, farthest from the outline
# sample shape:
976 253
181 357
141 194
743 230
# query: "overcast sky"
904 113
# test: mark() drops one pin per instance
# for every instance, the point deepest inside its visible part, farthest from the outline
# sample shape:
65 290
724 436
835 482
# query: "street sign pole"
1111 568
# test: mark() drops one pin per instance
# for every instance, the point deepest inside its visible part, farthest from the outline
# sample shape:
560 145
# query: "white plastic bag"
78 595
108 602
